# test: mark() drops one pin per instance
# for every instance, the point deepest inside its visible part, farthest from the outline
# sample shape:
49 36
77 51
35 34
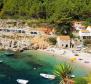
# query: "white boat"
22 81
48 76
73 76
1 61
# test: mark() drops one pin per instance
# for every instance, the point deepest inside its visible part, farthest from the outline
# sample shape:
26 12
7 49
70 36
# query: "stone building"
63 41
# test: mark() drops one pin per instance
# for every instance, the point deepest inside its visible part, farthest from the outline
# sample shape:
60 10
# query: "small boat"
9 53
72 76
48 76
1 61
22 81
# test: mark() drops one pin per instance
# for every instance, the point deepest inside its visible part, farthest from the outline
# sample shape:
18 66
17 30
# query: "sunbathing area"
72 54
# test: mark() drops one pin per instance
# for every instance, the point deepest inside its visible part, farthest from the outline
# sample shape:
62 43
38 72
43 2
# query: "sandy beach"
72 56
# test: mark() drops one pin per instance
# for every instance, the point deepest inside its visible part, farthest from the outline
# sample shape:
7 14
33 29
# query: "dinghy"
22 81
72 76
47 76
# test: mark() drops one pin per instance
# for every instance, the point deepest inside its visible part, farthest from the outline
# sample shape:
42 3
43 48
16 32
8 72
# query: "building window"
88 37
84 37
0 29
66 46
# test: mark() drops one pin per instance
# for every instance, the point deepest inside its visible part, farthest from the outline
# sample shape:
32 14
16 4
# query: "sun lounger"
86 62
73 59
80 59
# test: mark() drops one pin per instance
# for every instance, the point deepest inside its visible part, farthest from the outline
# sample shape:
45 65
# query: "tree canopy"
52 10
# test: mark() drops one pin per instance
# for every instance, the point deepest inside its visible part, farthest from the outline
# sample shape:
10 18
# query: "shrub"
80 81
52 40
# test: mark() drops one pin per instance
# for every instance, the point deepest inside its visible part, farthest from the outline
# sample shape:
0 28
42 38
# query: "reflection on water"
28 65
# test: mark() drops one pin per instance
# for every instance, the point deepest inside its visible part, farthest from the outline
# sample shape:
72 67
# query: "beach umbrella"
73 59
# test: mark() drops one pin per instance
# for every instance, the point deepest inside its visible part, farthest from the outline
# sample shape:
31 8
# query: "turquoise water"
28 65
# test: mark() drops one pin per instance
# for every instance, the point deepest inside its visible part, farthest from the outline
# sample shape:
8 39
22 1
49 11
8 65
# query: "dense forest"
51 10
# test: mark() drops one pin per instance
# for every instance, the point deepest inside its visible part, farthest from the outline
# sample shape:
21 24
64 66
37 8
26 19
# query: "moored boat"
72 76
48 76
22 81
9 54
1 61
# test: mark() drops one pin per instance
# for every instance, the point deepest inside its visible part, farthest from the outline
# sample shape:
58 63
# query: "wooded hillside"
51 10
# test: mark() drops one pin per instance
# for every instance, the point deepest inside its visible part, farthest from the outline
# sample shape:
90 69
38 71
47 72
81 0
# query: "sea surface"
28 65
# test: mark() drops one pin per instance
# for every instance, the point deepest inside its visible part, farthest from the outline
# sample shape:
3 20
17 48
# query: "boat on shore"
22 81
48 76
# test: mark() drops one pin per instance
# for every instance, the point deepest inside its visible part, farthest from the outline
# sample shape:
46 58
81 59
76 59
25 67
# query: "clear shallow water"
28 65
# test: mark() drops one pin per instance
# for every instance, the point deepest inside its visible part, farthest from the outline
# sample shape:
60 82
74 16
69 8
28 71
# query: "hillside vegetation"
49 10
